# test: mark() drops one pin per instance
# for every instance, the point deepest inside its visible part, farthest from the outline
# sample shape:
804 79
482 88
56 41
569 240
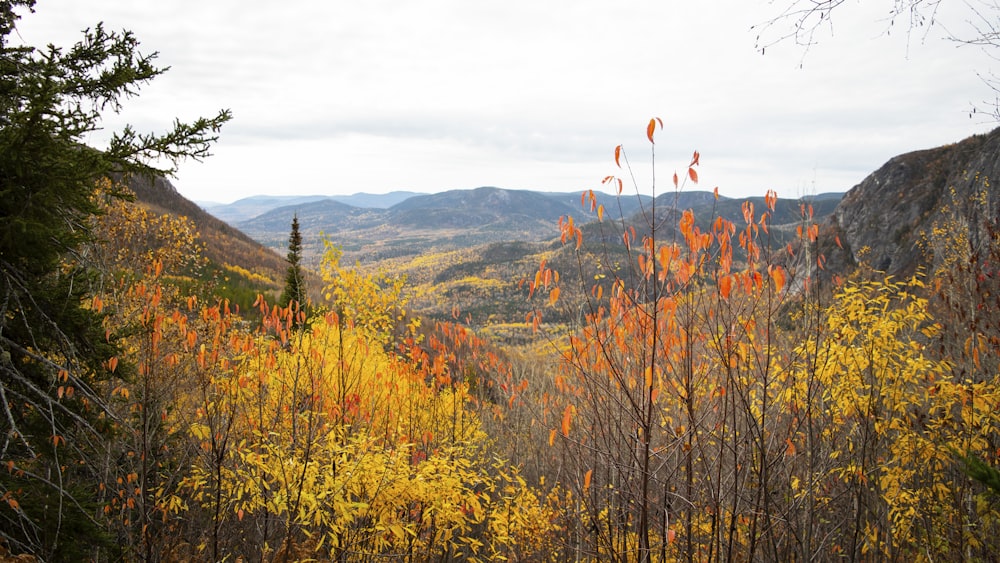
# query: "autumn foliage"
717 399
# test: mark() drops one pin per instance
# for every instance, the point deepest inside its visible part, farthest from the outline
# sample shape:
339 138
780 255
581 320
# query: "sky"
335 97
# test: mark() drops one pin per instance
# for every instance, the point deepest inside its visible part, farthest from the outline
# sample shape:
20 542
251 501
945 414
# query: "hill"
231 253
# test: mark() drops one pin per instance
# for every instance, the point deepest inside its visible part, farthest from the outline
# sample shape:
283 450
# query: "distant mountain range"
456 219
250 207
472 248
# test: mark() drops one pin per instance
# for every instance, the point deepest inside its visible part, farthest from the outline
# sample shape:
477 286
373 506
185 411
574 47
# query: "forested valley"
680 387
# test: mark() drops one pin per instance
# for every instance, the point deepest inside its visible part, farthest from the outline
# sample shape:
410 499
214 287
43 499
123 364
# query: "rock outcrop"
888 219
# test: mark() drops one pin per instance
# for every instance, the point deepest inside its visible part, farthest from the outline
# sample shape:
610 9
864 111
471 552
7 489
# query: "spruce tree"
51 334
295 288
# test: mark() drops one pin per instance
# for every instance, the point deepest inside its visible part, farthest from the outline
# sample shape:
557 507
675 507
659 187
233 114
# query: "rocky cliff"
888 220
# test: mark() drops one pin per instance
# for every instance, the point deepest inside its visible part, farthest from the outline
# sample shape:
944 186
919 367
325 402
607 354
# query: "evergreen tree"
295 288
54 351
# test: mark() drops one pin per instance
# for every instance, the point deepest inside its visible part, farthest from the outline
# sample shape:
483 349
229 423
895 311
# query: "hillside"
228 249
887 220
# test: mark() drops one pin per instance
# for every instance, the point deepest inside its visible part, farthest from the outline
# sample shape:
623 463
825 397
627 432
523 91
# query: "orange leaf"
836 239
567 417
552 438
725 286
693 175
748 213
716 192
778 274
553 296
239 514
671 536
695 158
675 179
650 129
618 153
586 479
790 450
600 212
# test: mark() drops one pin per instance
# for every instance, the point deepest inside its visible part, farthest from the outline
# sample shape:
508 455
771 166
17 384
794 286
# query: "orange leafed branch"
651 128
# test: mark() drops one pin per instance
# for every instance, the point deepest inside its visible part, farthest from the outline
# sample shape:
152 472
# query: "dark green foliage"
53 346
980 471
295 289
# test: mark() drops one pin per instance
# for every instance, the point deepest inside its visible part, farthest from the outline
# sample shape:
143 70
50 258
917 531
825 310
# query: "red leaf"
693 175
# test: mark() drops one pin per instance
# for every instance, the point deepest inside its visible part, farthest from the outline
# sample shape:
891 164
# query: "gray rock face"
888 217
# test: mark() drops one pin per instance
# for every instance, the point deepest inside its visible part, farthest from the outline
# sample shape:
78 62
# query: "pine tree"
54 350
295 288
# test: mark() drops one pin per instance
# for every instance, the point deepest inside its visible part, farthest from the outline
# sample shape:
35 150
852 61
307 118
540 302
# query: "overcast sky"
335 97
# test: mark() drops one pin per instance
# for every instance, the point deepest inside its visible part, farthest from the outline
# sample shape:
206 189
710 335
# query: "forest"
692 390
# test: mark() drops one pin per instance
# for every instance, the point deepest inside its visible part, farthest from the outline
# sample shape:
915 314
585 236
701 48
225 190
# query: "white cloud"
378 95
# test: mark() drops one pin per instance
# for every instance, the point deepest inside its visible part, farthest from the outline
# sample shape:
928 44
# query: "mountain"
379 201
495 208
250 207
449 220
889 220
254 206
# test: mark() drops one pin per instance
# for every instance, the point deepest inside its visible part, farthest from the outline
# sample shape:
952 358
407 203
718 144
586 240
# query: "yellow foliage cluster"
326 441
133 237
251 276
